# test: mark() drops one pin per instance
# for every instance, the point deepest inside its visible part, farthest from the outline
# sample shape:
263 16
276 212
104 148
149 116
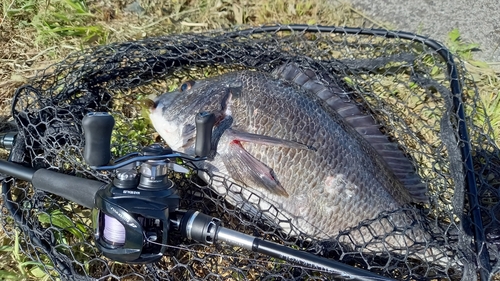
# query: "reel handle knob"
204 124
97 127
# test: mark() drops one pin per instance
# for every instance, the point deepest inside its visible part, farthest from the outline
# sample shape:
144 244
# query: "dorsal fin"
338 99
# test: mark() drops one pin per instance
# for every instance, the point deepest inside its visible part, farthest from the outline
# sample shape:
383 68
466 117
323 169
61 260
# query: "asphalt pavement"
477 20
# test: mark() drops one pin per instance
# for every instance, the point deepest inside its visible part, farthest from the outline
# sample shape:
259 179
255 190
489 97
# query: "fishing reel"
133 215
134 210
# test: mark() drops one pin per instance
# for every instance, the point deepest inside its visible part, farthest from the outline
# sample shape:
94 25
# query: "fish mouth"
147 104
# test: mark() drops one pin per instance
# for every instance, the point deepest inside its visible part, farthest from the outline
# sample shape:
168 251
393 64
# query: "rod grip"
79 190
16 170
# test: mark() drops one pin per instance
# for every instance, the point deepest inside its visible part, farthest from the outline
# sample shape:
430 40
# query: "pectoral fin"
245 168
265 140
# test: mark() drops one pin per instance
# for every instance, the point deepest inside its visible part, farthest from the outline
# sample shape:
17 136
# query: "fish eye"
186 86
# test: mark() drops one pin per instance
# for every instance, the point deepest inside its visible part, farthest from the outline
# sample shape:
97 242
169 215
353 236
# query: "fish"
299 152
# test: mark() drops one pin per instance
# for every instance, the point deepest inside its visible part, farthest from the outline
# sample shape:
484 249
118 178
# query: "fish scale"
337 98
331 175
302 108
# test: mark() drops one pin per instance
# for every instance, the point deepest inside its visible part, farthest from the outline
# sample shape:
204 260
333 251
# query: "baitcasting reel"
134 213
136 205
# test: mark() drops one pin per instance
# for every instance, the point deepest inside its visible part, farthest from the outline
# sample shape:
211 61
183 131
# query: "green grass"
487 81
55 19
15 265
43 32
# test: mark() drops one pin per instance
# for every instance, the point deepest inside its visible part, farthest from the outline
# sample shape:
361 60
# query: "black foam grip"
79 190
16 170
204 123
97 127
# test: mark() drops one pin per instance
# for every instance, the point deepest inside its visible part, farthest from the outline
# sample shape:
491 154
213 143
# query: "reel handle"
98 127
204 124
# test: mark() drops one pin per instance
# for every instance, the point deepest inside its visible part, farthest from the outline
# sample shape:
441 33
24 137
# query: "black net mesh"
402 80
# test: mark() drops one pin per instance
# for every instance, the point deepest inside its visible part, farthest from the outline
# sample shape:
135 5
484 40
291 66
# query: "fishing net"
423 99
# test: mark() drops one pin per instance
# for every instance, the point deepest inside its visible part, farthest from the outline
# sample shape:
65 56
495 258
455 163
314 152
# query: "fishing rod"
7 140
133 215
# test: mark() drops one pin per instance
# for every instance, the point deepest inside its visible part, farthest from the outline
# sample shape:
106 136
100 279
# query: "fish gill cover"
424 103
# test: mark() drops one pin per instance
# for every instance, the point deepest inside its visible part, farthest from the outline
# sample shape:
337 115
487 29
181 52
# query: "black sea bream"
295 150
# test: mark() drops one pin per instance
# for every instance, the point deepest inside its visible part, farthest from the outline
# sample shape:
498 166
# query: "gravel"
478 21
